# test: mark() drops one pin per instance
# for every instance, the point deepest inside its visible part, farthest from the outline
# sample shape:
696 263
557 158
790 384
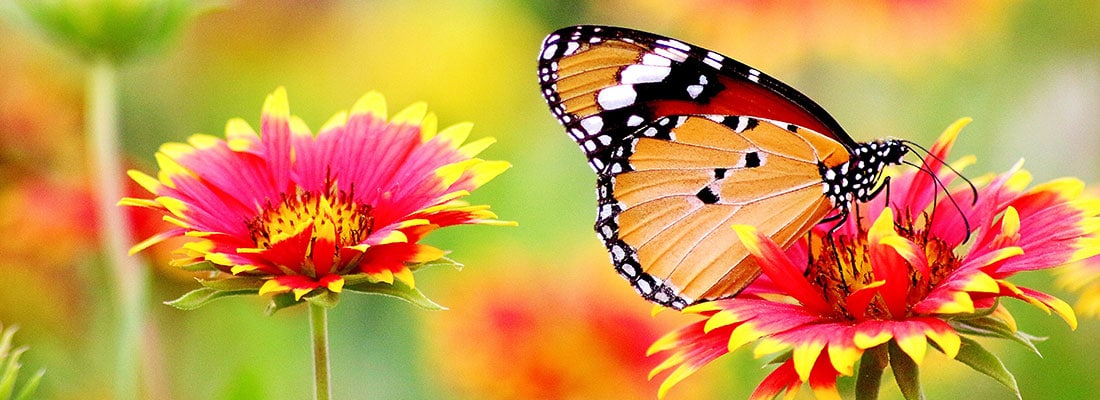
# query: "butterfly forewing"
606 81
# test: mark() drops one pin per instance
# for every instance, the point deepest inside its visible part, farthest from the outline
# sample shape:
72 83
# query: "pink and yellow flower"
911 277
287 211
1083 278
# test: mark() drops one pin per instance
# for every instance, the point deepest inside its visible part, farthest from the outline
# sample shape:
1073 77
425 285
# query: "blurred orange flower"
880 34
546 330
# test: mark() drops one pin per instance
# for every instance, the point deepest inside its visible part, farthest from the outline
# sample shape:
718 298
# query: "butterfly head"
857 178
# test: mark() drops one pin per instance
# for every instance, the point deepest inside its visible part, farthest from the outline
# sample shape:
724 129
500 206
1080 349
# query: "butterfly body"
686 142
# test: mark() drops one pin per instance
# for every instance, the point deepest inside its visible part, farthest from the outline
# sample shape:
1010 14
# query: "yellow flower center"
843 267
332 215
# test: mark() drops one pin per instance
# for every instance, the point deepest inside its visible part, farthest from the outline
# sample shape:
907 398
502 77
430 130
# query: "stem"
871 365
101 121
318 321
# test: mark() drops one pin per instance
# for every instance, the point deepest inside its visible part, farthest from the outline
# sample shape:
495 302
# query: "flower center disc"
333 216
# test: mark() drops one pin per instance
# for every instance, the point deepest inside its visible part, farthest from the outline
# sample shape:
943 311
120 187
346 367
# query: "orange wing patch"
595 68
686 184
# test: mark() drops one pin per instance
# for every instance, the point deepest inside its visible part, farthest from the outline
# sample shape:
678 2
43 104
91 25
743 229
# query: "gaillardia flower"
1083 278
928 267
294 214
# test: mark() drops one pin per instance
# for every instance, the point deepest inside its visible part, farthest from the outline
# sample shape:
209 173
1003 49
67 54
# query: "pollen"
942 260
333 216
841 266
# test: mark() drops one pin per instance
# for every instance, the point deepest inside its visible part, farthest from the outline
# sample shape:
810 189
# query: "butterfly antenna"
942 187
973 189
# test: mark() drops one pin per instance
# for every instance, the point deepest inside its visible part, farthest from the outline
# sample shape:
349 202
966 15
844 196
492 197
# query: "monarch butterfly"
686 142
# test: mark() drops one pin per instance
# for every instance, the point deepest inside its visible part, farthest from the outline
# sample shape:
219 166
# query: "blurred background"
538 312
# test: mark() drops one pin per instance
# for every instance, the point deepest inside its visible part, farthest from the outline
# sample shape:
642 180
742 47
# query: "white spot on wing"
644 74
671 53
674 43
629 270
754 75
742 123
634 120
571 47
616 97
592 124
548 52
694 90
655 60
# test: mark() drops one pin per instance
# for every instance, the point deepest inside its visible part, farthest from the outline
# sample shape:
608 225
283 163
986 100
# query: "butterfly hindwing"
680 182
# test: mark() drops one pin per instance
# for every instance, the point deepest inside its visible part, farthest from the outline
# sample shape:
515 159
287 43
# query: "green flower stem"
871 365
318 322
101 121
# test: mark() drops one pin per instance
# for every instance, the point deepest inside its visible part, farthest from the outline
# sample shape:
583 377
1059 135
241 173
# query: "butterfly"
686 142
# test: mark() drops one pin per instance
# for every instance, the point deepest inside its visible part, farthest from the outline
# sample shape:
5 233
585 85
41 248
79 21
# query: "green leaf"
399 290
869 378
782 358
199 297
281 301
324 298
906 373
975 356
10 372
234 283
356 279
11 369
441 262
10 366
996 328
199 267
5 342
30 386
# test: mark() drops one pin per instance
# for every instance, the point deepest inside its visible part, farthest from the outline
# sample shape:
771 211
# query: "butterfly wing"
657 120
665 213
603 82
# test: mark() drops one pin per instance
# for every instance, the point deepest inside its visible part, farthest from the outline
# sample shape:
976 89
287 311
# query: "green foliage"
201 296
869 378
975 356
398 290
906 372
214 289
996 328
441 262
118 30
10 366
